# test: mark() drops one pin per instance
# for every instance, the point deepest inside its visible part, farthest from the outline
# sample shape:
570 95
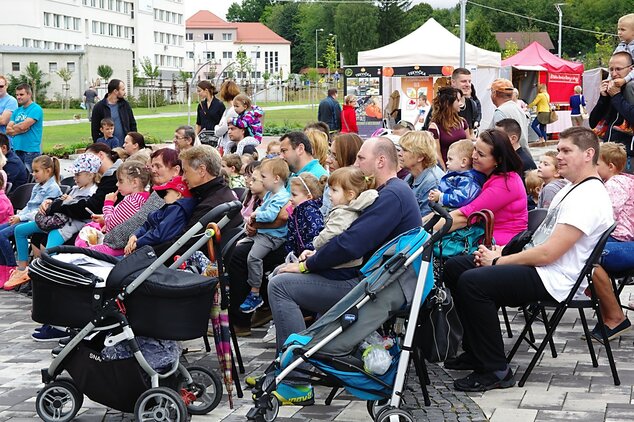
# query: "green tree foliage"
105 72
510 49
416 16
602 52
391 16
65 75
357 27
314 17
479 34
247 11
283 20
33 76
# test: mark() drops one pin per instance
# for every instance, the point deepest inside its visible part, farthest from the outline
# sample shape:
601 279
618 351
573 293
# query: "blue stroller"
398 277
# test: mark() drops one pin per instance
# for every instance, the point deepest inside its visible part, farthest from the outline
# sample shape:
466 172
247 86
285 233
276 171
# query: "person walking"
90 97
542 102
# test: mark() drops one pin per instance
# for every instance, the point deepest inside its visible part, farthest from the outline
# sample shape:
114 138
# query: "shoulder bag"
441 330
465 241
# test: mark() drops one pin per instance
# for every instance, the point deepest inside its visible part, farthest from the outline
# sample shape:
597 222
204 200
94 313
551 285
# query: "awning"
533 68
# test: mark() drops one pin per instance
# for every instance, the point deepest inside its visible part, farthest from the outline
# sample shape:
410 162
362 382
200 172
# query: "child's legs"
262 246
628 92
55 238
7 257
107 250
22 234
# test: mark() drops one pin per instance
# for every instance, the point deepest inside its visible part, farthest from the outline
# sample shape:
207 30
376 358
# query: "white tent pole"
463 31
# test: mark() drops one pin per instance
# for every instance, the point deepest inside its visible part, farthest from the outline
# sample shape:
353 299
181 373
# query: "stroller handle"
228 209
439 212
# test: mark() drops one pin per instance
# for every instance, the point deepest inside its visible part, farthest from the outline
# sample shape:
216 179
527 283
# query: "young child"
108 138
46 175
533 186
85 169
547 170
256 191
274 173
625 30
350 193
246 159
461 184
6 207
305 220
232 164
273 149
169 221
250 119
132 178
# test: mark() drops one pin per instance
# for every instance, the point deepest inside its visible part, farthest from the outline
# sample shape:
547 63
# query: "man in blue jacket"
329 111
115 107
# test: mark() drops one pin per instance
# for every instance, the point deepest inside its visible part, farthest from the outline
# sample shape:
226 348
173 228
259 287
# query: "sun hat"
89 163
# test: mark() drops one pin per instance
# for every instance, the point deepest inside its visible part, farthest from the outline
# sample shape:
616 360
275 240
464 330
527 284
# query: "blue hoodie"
460 187
166 223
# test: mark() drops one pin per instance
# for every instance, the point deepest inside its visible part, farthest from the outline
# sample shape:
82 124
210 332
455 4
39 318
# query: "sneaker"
17 278
251 380
269 337
484 382
48 333
295 395
462 362
261 317
612 333
251 303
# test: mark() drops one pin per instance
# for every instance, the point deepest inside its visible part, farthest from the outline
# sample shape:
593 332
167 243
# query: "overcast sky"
219 7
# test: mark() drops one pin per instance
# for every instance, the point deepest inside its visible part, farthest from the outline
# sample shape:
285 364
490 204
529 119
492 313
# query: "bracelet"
302 268
495 260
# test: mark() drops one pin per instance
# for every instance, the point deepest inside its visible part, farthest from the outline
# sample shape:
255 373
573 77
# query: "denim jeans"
7 256
618 256
27 158
539 129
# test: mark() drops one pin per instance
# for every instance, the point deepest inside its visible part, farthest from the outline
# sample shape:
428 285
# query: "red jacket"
349 119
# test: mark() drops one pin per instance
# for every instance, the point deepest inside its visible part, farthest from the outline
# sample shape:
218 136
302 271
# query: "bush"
63 151
151 139
57 103
142 100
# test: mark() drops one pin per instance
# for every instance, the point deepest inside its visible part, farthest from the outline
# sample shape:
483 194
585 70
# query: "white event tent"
433 45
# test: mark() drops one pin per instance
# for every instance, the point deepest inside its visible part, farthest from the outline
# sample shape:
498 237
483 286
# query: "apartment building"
80 35
213 44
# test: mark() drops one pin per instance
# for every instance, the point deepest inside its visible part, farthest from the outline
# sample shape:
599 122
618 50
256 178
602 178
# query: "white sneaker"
270 334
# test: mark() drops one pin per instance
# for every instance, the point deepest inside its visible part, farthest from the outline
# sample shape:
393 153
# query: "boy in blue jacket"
461 184
167 222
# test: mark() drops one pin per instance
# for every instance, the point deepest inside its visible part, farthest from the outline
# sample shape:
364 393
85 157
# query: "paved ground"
566 388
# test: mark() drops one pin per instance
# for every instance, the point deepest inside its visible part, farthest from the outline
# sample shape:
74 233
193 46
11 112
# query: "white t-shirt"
587 208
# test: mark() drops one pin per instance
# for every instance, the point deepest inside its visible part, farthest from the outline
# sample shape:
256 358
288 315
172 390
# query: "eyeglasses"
618 69
179 138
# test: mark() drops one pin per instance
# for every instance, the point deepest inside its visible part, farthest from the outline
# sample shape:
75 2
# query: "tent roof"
429 45
535 54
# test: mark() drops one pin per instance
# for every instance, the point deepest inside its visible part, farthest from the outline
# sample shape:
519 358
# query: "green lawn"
163 127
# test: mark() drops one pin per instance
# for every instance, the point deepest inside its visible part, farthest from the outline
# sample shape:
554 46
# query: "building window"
26 42
189 36
190 54
76 23
227 54
48 45
210 55
52 67
58 46
47 19
70 66
227 36
36 43
208 36
15 66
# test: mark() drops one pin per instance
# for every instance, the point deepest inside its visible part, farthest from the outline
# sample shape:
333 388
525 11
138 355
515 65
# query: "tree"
391 15
283 19
510 49
244 67
248 11
34 77
602 52
330 56
416 16
65 75
184 77
358 26
480 35
105 72
152 73
137 79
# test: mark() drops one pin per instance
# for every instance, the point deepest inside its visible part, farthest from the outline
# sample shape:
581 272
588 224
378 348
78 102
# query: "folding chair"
559 311
20 196
68 181
619 281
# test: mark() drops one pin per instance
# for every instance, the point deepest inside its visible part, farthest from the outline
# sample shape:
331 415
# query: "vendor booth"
421 62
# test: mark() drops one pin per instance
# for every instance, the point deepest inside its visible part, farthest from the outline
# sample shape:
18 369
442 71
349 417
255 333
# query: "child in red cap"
168 222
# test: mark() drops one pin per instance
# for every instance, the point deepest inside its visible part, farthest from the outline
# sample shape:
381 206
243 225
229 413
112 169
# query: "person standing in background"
26 126
329 111
90 97
115 107
8 104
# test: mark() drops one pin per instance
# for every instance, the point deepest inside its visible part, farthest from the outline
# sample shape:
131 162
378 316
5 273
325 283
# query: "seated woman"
134 146
503 192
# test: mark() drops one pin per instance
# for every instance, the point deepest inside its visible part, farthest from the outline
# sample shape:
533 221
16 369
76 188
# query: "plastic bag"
160 354
376 358
290 258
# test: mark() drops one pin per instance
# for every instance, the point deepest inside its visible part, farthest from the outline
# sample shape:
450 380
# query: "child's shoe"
49 333
17 278
251 303
295 395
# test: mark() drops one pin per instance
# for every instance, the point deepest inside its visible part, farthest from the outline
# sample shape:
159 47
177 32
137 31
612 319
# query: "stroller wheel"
375 406
207 388
394 415
58 401
272 409
160 404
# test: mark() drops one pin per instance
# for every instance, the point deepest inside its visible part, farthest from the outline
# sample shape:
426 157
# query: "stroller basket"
170 304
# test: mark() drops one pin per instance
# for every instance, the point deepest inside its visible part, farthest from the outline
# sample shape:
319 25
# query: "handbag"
553 117
582 109
465 241
441 330
543 117
517 243
54 221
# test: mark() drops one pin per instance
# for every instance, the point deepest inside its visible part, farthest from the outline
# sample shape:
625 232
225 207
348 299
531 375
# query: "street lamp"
558 7
317 52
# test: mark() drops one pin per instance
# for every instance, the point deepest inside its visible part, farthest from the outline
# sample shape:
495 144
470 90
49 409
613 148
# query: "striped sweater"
130 205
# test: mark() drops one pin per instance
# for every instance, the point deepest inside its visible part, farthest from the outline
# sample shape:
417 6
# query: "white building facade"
213 44
80 35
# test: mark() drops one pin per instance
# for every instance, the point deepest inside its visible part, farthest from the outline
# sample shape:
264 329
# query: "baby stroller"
138 297
397 276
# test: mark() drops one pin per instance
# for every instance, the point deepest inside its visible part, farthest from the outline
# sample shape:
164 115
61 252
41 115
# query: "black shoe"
462 362
261 317
56 351
484 382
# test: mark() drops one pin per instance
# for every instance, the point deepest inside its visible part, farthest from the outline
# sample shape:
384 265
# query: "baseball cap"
89 163
502 85
176 184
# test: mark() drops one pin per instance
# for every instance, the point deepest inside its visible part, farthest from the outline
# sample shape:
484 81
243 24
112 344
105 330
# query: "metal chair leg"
509 333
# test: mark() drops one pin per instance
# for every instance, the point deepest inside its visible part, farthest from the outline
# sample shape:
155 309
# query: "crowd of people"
320 201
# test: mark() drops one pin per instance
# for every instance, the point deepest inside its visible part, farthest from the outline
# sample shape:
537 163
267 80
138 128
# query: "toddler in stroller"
397 276
139 297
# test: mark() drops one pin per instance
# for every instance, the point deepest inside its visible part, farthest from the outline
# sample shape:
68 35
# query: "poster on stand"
365 83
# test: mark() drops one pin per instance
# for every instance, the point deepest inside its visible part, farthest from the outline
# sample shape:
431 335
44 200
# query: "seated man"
545 270
320 286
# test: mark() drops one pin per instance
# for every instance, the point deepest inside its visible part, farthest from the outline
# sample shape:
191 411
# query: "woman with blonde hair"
319 142
393 109
542 102
419 157
577 107
228 91
446 125
349 115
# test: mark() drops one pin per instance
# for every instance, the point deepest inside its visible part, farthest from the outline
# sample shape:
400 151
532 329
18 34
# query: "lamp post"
558 7
463 31
316 55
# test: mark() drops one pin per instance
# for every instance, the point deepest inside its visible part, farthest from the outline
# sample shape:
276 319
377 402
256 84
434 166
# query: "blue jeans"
22 234
27 158
618 256
7 257
539 129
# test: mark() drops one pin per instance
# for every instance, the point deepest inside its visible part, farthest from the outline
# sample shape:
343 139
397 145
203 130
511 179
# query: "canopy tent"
559 75
441 48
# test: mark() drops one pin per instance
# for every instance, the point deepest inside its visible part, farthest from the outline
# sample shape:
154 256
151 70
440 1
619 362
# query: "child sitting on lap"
548 171
305 220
